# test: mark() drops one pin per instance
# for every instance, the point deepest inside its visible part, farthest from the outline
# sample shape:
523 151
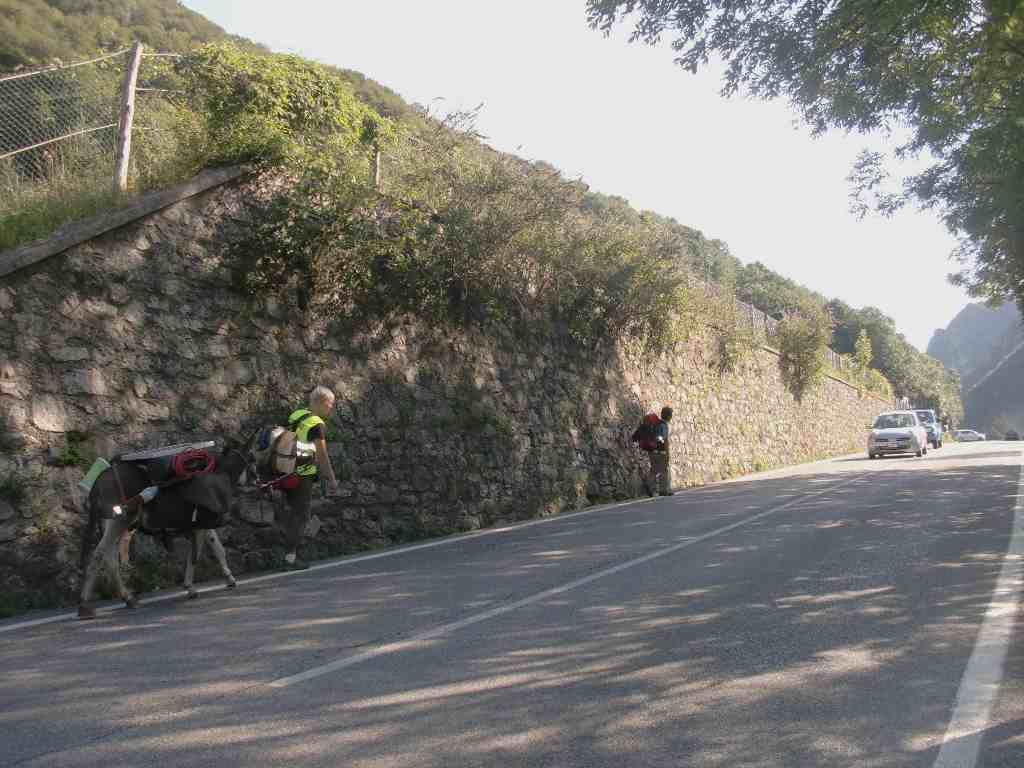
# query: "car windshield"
894 421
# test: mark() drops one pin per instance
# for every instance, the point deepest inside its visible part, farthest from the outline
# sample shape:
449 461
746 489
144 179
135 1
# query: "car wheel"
872 455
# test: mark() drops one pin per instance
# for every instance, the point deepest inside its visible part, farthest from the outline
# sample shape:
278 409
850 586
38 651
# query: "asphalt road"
846 613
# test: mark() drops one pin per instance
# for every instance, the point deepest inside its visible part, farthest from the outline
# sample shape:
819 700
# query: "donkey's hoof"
86 612
131 601
192 594
231 585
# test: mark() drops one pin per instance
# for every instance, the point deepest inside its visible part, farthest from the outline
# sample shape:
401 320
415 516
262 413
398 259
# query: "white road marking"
444 629
455 539
160 598
984 672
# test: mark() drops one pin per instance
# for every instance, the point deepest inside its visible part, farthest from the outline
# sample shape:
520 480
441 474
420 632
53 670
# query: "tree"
862 355
952 71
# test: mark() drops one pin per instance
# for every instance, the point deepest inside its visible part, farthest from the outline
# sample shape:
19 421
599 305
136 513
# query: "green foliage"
862 352
802 341
734 337
770 292
462 234
12 489
75 452
40 32
877 384
268 108
910 373
20 601
952 72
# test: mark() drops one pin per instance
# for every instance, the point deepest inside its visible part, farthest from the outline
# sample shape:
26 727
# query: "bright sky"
632 124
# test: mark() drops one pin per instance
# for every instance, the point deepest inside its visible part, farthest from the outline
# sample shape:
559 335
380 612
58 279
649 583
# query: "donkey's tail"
90 533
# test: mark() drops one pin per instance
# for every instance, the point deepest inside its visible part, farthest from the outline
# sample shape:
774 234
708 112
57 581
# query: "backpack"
275 450
646 434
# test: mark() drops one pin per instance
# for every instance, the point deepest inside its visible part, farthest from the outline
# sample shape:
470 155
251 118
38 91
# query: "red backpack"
646 434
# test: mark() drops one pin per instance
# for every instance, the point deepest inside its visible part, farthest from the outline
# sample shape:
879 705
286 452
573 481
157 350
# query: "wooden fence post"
124 128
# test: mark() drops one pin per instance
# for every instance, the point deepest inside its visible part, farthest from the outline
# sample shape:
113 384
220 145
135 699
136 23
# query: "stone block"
7 512
48 413
97 308
6 300
69 354
88 380
120 294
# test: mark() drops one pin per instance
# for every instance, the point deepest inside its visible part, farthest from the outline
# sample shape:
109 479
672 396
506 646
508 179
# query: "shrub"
802 340
263 108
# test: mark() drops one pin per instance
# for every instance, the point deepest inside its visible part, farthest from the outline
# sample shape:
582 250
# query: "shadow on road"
835 634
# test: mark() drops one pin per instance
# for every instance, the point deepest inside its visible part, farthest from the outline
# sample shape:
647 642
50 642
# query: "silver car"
968 435
897 432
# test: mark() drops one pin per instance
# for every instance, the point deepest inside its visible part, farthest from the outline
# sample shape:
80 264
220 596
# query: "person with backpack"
313 461
652 436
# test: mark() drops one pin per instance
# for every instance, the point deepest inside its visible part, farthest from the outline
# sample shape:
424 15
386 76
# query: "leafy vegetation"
12 489
456 233
912 374
951 72
36 33
802 339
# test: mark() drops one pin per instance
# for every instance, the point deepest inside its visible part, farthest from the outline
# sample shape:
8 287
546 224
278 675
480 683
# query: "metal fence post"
124 129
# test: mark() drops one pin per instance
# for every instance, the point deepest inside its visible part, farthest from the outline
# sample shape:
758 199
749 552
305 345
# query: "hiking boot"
296 565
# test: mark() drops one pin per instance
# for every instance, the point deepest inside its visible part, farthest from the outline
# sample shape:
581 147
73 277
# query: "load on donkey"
179 490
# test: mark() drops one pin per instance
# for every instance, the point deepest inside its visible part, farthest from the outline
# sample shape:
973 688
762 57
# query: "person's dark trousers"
299 500
660 476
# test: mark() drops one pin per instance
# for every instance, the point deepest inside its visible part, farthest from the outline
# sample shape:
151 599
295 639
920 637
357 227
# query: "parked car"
968 436
932 426
897 432
1012 435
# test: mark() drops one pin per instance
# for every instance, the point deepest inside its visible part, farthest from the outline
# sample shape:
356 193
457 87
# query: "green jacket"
302 421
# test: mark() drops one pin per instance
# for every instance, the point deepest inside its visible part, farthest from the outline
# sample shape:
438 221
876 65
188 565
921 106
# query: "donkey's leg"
118 528
193 546
222 558
86 610
105 552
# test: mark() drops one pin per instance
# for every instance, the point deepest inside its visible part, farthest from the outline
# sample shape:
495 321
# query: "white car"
968 435
897 432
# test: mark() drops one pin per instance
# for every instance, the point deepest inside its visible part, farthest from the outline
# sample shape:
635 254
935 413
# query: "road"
844 613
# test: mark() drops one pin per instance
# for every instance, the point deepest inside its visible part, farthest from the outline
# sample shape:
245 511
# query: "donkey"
213 492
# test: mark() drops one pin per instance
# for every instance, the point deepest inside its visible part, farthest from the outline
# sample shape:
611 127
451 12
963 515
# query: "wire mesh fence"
58 128
59 140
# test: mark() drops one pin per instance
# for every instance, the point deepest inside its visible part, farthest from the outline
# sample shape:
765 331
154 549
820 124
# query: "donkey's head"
234 458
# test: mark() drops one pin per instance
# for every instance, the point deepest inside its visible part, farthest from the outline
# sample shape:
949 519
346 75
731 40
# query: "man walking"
654 438
313 460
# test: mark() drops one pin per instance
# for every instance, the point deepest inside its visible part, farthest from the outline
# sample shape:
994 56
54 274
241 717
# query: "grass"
14 603
37 213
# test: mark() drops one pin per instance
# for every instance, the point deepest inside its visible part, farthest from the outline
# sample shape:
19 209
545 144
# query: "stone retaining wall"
133 339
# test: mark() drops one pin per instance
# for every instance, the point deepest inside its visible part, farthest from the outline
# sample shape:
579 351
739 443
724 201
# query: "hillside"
37 32
985 345
996 403
977 339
